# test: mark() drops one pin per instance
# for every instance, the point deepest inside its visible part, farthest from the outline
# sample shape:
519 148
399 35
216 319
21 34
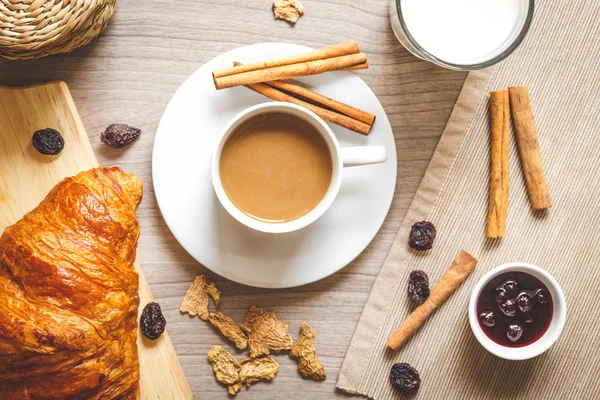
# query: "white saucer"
181 159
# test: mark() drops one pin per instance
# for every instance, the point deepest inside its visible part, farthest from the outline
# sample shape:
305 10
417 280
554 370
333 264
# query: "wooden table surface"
129 74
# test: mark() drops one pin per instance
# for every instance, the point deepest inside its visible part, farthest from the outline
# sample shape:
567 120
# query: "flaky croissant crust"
69 292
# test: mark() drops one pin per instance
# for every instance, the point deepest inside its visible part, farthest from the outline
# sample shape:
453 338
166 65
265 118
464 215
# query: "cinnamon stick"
336 50
289 71
529 147
357 67
460 269
331 116
335 105
499 176
271 90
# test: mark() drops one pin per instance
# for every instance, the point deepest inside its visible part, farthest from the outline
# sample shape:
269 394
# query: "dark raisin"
152 321
422 235
418 286
405 379
48 141
119 135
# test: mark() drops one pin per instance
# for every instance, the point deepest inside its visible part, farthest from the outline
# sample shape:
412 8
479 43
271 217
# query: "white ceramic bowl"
557 324
341 157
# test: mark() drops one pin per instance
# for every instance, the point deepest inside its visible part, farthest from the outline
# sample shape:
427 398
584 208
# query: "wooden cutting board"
26 177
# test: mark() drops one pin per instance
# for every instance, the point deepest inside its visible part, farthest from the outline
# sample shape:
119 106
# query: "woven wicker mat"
560 62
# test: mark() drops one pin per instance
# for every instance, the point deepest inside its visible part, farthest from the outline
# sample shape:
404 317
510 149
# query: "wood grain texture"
28 176
129 74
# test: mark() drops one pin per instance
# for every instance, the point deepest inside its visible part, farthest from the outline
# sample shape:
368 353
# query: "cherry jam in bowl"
517 311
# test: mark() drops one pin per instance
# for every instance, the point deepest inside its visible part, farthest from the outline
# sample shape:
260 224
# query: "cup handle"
363 155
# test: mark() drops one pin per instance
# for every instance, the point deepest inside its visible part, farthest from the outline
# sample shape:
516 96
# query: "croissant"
69 292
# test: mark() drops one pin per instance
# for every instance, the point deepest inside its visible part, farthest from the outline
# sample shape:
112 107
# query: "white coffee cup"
341 157
559 314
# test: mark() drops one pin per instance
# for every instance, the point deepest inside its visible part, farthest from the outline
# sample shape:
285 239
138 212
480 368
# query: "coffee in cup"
275 167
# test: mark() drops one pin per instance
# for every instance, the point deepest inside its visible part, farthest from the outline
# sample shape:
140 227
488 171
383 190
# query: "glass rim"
469 67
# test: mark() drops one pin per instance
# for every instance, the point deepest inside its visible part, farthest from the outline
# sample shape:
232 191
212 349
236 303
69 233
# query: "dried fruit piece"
226 368
500 295
524 302
152 321
514 332
511 286
254 369
488 319
48 141
418 286
229 329
422 235
289 10
405 379
509 308
196 298
119 135
541 297
304 350
265 332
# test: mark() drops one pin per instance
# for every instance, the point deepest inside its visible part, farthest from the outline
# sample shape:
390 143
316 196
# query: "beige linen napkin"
560 62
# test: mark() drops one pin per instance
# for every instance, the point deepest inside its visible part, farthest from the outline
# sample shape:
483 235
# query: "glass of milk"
461 34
